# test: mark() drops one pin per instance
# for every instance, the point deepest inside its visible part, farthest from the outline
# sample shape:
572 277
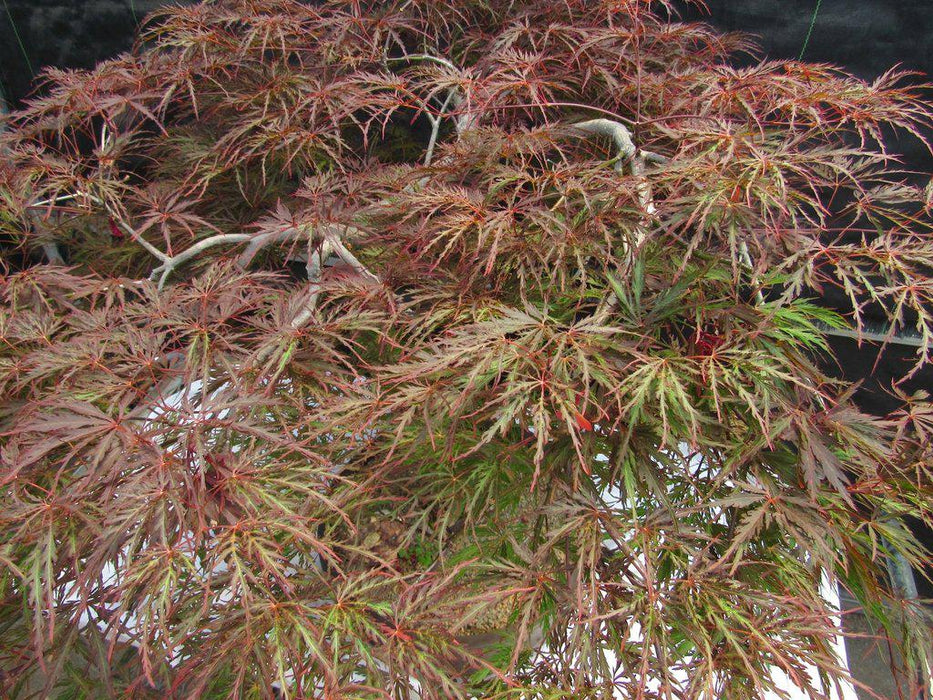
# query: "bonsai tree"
447 350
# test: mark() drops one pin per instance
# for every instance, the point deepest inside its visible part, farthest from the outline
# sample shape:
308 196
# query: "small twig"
117 219
436 127
151 249
806 40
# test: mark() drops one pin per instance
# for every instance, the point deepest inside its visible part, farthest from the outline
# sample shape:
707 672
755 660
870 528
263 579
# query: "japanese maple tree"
450 349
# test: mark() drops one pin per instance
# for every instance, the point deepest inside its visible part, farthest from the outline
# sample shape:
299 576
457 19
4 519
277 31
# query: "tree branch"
436 127
750 266
52 253
170 263
626 151
314 268
263 240
119 221
413 57
466 120
342 252
617 132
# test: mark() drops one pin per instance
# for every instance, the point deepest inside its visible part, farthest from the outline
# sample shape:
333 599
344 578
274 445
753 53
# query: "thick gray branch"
342 252
52 253
290 233
314 268
170 263
263 240
616 132
626 152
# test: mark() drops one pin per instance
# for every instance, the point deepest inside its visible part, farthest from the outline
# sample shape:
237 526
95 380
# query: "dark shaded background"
865 36
63 33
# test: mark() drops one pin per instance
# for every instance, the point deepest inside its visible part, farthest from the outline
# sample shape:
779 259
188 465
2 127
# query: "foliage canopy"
467 347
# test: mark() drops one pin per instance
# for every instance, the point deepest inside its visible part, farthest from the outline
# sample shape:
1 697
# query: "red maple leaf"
115 230
583 423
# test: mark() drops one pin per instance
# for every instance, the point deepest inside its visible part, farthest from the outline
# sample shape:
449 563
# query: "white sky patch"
846 691
612 494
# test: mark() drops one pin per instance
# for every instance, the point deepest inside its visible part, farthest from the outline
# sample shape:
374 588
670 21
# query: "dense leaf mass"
418 348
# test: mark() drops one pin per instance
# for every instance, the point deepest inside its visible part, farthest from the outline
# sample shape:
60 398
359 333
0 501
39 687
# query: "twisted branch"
314 268
626 151
170 263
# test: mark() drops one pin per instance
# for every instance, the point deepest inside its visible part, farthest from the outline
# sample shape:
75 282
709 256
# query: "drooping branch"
467 118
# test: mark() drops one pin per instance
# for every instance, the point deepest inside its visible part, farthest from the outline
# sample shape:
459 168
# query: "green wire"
19 39
806 41
133 10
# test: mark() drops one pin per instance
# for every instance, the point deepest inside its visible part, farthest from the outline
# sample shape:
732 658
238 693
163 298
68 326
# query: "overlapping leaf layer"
450 349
